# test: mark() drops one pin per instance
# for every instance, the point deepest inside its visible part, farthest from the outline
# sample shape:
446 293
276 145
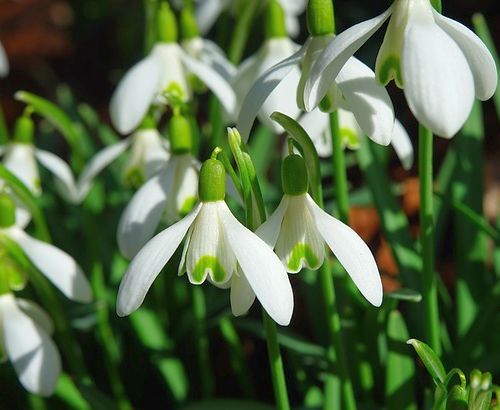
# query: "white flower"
164 70
298 230
171 194
440 63
317 125
4 62
25 331
215 244
282 98
59 267
207 12
355 88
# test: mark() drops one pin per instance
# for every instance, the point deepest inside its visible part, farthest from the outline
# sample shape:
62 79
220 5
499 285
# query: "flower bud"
275 24
212 182
320 17
457 399
7 211
166 25
189 27
180 135
294 175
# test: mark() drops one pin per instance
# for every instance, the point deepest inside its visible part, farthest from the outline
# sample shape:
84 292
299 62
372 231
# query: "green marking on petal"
350 139
390 69
134 177
302 252
174 89
209 265
187 206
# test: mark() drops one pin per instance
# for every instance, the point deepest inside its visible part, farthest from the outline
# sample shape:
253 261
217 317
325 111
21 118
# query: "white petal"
207 13
37 314
211 54
30 350
173 74
59 267
4 62
368 100
270 229
185 186
352 252
61 171
438 82
143 213
262 268
134 94
214 81
242 295
335 55
148 263
98 162
262 88
317 125
20 160
478 56
401 143
292 24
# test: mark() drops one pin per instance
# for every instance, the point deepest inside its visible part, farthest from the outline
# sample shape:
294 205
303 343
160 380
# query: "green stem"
200 313
276 363
429 286
242 30
339 169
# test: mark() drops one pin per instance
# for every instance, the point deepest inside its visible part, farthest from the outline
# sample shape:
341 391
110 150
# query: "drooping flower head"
440 63
215 245
4 62
298 230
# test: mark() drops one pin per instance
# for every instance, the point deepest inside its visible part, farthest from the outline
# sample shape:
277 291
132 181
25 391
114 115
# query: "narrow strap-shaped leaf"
430 359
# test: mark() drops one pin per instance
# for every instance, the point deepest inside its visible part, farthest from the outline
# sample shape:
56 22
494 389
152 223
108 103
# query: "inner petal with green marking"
302 256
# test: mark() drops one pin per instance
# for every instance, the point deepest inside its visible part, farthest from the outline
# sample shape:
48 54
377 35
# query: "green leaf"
227 404
431 361
67 392
404 294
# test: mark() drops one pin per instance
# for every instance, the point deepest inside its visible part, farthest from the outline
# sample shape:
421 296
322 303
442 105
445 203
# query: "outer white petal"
61 171
242 295
262 268
401 143
207 13
134 94
59 267
438 82
143 213
293 7
317 125
214 81
211 54
148 263
262 88
37 314
368 100
30 350
173 73
100 161
335 55
20 160
352 252
270 229
478 56
4 62
292 25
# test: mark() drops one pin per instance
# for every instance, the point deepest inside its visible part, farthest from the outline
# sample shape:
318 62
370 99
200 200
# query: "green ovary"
187 206
302 252
212 266
389 69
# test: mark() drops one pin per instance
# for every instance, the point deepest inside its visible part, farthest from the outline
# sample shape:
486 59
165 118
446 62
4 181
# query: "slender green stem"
339 170
429 286
242 30
200 313
276 363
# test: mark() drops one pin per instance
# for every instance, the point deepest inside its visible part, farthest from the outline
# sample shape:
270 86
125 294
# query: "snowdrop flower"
207 12
171 194
299 228
4 62
25 331
216 243
354 87
317 126
59 267
276 47
164 71
439 63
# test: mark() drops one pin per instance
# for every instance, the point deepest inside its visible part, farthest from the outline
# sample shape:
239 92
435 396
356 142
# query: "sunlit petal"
401 143
242 295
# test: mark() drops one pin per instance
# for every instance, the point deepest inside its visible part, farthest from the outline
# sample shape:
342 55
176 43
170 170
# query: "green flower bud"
294 175
457 399
275 24
189 27
475 379
180 135
212 182
7 211
320 17
166 25
24 130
